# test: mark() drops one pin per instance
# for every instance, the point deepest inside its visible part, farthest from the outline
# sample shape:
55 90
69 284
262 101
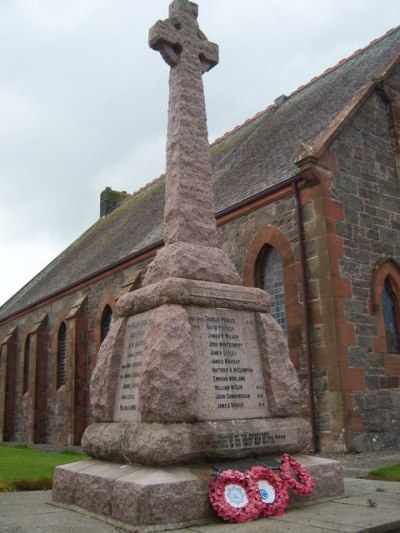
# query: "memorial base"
175 496
166 444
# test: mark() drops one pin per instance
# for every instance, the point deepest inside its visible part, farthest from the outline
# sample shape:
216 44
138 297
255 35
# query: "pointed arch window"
271 279
27 363
390 307
61 355
107 320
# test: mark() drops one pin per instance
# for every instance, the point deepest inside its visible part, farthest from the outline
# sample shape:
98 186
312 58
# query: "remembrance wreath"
235 497
291 468
274 495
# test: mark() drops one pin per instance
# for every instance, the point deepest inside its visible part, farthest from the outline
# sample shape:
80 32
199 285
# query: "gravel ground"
365 461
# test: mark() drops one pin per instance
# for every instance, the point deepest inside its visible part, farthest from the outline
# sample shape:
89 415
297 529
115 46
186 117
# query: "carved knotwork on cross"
180 37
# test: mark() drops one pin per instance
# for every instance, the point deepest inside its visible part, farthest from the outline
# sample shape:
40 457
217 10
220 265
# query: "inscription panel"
229 372
127 398
248 439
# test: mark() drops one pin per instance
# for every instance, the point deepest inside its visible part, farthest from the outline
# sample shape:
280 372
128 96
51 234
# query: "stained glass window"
390 307
271 280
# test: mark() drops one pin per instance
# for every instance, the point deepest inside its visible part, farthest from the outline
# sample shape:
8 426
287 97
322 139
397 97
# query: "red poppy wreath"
272 490
290 470
234 497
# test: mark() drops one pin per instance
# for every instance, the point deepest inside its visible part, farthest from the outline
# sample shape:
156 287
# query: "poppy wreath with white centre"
235 497
274 495
290 468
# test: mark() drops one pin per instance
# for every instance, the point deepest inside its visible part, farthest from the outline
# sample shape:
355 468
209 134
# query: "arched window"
27 358
61 355
107 320
271 279
390 307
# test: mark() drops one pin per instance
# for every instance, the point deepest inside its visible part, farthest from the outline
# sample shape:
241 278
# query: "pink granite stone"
134 497
64 483
190 232
327 475
189 210
191 261
94 485
184 501
179 443
193 292
168 389
104 379
281 380
106 440
162 496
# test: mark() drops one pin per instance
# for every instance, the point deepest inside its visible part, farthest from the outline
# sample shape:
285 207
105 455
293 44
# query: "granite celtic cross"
189 203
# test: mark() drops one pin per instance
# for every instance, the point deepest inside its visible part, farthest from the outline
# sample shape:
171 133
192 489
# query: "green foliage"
29 469
386 473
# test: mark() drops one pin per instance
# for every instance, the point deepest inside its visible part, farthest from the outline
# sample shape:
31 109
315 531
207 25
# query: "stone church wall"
60 404
366 189
367 185
235 236
243 239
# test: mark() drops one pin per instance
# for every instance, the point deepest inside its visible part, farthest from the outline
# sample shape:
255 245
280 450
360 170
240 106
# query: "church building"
307 197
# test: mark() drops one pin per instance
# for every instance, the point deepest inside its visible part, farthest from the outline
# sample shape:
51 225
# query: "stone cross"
189 214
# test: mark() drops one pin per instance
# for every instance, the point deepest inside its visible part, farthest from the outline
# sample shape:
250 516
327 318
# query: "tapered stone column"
190 233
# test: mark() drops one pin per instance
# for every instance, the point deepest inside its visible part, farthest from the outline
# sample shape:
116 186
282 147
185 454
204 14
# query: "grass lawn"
29 469
386 473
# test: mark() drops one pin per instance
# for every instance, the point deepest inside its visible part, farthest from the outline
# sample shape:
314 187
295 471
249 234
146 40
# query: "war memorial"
194 372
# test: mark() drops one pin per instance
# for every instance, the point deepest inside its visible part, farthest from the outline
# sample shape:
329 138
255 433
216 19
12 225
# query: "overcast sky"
83 99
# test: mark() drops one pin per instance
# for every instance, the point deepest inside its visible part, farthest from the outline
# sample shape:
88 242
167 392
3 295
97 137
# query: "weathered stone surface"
174 443
126 406
162 497
105 374
189 210
168 389
327 475
192 292
148 496
94 486
191 261
106 440
64 490
126 502
281 380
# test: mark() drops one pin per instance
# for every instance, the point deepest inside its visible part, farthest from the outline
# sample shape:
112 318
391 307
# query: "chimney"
109 200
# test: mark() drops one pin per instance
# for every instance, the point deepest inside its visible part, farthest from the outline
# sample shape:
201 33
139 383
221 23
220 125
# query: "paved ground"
372 506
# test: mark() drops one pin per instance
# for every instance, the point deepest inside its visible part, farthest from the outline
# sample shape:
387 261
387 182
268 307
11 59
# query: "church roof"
254 157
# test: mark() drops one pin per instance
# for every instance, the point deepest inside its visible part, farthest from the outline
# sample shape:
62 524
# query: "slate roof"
252 158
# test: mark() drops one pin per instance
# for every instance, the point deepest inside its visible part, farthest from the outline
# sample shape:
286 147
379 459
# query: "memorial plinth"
195 369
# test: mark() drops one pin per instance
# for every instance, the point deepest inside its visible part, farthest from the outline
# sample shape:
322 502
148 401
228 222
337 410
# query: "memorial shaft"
189 210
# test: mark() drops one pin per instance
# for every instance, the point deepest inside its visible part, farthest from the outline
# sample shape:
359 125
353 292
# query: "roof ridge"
313 80
143 187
